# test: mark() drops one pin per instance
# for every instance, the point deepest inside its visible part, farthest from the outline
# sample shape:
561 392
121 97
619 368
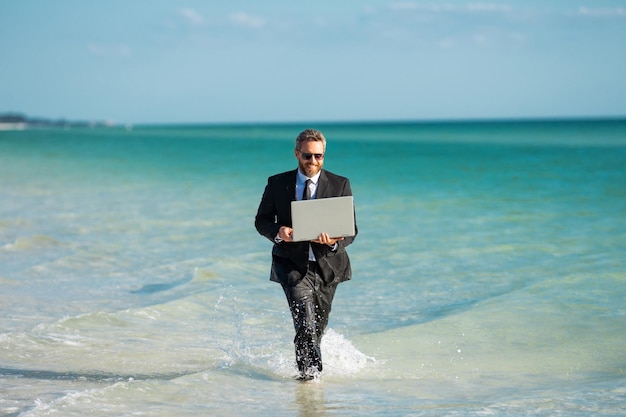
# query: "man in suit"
309 272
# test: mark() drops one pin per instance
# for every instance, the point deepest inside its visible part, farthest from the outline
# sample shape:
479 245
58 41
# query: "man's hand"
327 240
286 233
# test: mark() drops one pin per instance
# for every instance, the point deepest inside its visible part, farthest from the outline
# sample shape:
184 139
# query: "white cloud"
95 49
518 37
602 12
489 7
446 43
404 5
480 39
450 8
409 5
192 16
247 20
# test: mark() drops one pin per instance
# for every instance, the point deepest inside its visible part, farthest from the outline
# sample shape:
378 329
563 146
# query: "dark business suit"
309 286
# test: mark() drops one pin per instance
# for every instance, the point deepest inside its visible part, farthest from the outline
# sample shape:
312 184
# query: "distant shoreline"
16 121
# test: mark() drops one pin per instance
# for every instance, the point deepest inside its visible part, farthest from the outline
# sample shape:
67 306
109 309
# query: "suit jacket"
290 259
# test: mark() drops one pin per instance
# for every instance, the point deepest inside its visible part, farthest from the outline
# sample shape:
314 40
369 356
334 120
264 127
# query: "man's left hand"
327 240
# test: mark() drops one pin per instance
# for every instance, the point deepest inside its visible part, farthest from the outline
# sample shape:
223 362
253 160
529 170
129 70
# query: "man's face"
312 166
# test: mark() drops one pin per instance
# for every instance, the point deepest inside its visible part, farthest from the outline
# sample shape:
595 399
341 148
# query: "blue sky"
163 61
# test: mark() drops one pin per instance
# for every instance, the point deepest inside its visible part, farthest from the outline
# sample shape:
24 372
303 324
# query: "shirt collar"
302 178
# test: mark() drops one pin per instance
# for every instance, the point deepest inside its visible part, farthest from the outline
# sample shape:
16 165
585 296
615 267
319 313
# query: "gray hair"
310 135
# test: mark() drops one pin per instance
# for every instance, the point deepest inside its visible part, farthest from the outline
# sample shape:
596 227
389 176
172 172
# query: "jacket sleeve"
266 217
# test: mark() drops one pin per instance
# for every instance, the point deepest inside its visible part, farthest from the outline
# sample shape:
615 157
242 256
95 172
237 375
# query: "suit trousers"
310 301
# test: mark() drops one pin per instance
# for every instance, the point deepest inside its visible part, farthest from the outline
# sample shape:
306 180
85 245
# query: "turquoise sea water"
489 272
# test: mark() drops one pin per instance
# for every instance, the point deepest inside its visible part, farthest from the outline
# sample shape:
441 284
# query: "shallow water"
489 276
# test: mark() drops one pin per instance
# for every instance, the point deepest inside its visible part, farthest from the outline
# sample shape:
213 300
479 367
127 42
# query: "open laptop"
334 215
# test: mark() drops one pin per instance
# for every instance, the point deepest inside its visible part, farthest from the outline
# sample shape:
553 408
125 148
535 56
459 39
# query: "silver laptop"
334 215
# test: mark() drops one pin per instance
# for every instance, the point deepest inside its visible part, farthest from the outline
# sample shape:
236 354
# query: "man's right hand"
286 233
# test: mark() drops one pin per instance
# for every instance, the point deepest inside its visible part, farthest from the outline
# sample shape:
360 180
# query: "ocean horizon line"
387 122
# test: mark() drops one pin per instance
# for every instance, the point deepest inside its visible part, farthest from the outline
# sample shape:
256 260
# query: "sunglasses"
307 156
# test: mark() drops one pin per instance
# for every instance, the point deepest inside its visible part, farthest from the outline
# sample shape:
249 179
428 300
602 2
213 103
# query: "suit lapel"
322 186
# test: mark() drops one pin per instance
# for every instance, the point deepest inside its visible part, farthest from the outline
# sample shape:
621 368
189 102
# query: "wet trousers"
310 302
